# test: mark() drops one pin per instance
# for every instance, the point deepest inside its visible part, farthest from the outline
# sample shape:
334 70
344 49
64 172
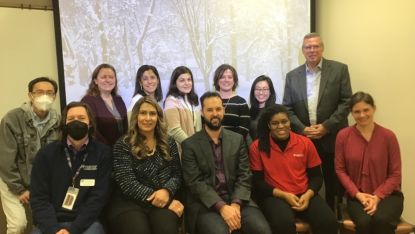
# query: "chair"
348 227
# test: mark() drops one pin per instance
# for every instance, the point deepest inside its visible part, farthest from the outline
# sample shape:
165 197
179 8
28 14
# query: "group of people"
225 166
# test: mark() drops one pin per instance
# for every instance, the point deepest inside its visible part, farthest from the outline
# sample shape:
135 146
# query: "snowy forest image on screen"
255 36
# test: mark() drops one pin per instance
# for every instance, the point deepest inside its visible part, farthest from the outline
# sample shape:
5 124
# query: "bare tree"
202 32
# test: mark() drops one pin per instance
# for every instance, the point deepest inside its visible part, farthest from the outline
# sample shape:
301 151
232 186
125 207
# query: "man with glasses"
316 95
23 131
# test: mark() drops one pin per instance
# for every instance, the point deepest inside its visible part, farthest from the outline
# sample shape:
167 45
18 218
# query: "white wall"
376 38
27 51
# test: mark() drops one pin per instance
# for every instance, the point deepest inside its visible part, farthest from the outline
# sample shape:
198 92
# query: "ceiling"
27 4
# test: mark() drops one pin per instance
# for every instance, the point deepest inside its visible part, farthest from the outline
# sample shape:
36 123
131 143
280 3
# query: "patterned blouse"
139 178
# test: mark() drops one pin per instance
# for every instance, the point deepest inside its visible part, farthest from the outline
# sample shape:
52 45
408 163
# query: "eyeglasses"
38 93
262 90
310 47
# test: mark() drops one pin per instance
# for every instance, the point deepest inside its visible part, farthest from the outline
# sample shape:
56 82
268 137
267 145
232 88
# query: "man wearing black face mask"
70 178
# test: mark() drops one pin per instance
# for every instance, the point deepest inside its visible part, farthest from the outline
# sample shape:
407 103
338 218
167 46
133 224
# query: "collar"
71 147
210 139
319 67
36 120
292 141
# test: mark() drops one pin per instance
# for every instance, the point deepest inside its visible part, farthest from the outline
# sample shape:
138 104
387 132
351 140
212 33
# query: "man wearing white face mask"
23 131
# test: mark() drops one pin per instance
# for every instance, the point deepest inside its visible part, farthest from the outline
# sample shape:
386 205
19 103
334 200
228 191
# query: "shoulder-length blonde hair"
137 140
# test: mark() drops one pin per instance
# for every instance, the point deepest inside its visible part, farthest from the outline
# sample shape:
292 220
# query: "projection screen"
255 36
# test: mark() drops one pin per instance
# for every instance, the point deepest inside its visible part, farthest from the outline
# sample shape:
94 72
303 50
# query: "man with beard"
23 131
218 179
70 177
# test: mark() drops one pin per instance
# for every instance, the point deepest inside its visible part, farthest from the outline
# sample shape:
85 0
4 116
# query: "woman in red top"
287 176
368 164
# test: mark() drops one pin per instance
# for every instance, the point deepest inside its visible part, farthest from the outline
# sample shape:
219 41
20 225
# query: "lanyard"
68 158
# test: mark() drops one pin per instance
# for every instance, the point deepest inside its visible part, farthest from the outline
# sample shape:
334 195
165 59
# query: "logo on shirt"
298 155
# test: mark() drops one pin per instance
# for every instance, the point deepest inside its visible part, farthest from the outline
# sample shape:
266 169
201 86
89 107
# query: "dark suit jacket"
332 108
199 172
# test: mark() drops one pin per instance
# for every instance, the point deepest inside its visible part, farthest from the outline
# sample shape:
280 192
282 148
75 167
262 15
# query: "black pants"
385 219
145 221
332 186
281 216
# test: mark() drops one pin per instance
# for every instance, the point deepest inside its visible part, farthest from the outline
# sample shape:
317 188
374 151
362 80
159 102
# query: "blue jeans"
95 228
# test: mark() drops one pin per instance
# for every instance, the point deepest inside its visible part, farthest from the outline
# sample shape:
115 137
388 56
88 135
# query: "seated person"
70 178
287 176
216 173
147 174
368 164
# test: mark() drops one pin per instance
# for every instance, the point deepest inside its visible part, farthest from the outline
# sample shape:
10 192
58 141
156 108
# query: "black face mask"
77 129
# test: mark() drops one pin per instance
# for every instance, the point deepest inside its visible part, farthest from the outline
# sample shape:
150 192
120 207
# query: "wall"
27 51
376 38
27 45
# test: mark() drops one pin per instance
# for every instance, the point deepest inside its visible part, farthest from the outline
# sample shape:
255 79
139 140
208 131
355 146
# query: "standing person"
70 177
181 105
216 172
316 95
368 164
23 131
107 106
147 83
147 173
236 117
261 96
287 176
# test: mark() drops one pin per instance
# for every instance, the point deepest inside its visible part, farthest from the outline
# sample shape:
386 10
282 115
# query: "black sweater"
51 176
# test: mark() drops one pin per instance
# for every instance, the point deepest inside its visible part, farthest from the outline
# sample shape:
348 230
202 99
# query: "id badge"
70 198
87 182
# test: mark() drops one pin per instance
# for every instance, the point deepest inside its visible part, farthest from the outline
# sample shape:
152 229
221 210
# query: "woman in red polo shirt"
287 176
368 164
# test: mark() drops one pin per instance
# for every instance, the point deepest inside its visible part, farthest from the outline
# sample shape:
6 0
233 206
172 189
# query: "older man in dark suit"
316 95
217 175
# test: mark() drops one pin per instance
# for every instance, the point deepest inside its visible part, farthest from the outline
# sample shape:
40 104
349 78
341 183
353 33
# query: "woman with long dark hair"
181 105
261 96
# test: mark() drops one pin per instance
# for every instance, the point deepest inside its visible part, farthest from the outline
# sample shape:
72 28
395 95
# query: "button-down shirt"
313 86
220 180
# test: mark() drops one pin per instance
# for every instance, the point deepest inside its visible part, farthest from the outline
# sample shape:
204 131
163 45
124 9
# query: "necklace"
150 152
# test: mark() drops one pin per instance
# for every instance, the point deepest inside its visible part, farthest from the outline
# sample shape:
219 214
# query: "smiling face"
363 113
149 82
313 50
106 80
226 81
147 118
184 83
213 112
279 126
262 92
